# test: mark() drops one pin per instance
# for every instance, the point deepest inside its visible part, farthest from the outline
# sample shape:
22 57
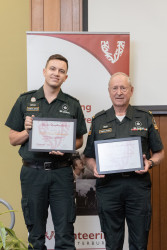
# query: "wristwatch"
152 163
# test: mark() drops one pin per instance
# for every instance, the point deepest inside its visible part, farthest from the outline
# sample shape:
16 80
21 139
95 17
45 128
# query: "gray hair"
120 73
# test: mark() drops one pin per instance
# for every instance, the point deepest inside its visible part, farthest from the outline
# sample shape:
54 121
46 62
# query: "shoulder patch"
90 130
27 93
154 123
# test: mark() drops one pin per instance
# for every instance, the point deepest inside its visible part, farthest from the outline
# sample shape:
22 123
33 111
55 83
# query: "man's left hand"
146 166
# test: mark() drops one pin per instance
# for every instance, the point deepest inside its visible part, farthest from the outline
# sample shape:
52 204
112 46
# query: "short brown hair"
57 57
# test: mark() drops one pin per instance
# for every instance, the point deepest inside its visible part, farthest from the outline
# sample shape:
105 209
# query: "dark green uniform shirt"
137 122
34 103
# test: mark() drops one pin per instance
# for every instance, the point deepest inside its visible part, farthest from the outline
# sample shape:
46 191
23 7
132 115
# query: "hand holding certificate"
50 134
119 155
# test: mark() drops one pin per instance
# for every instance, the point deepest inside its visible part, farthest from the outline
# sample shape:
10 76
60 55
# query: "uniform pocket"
104 135
148 216
101 217
100 210
141 133
26 211
148 221
72 211
36 114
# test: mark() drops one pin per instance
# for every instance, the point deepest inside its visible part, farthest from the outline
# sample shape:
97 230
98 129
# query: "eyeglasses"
122 89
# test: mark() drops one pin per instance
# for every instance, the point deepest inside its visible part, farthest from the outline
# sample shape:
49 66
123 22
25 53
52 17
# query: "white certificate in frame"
50 134
119 155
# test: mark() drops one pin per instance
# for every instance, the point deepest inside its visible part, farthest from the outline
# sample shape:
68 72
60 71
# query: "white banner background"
88 82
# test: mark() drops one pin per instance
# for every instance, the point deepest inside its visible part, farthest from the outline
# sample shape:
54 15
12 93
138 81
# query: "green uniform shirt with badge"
34 103
137 122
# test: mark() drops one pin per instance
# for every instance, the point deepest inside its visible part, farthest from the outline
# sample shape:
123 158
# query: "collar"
40 94
111 113
61 96
129 112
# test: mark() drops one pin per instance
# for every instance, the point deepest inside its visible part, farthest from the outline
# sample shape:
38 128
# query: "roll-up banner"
93 58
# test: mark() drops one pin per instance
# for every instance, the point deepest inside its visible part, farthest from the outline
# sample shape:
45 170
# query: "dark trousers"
121 198
41 188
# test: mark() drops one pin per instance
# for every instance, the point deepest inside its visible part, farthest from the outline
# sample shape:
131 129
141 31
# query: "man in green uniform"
47 178
124 195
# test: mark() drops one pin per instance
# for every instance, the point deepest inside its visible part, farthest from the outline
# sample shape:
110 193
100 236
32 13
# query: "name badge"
32 107
104 131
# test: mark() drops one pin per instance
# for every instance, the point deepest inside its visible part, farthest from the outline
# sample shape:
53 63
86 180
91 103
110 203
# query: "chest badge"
138 124
105 130
33 99
64 109
33 105
105 126
138 127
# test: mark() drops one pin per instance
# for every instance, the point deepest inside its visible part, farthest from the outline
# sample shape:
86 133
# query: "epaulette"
143 110
27 93
99 114
71 97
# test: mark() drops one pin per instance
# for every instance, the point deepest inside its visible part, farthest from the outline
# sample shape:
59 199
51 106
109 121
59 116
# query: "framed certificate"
119 155
50 134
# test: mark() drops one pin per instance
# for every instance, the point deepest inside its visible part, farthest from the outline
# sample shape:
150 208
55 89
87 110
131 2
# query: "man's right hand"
28 123
96 173
91 162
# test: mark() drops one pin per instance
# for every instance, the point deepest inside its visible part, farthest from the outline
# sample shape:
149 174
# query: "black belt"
45 165
124 174
127 174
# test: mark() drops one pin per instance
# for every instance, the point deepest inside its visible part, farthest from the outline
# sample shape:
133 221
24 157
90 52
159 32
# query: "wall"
146 21
14 22
56 15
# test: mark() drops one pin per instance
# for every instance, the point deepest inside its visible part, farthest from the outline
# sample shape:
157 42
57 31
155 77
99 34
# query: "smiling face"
120 90
55 73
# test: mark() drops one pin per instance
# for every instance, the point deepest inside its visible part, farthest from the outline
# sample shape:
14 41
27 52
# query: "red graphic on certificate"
53 134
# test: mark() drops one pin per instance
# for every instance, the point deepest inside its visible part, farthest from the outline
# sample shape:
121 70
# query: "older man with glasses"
125 195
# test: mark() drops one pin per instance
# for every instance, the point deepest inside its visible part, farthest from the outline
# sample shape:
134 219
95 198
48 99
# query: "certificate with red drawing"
50 134
119 155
